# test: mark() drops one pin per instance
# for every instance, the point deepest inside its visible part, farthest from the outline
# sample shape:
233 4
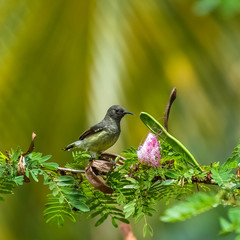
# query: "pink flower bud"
149 152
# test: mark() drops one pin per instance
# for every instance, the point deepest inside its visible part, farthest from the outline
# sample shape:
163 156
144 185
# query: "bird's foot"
93 156
113 162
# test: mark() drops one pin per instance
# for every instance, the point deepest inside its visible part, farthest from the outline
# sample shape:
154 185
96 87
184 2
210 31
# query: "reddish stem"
126 231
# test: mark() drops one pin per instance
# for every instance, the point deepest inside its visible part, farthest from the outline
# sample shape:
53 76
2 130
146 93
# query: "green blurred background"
63 63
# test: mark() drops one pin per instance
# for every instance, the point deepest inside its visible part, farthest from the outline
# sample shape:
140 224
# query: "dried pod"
21 166
95 181
112 157
103 165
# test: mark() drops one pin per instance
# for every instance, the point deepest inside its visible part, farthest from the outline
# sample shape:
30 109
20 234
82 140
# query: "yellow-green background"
63 63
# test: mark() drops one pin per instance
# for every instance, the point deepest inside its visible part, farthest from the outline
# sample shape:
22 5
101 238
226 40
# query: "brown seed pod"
95 181
103 165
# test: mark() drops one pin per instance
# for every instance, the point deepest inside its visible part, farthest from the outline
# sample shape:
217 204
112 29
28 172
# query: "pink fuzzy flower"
149 152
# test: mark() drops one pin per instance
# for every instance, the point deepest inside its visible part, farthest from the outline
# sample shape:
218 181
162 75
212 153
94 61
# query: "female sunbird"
103 135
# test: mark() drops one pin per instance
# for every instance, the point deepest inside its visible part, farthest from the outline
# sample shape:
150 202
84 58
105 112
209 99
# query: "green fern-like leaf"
169 189
233 224
103 206
80 160
235 159
130 153
6 186
199 203
56 211
221 175
66 199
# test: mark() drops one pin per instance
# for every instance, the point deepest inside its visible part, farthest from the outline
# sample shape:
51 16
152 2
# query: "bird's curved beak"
126 112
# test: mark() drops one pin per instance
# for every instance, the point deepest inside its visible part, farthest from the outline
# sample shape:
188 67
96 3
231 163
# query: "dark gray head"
117 112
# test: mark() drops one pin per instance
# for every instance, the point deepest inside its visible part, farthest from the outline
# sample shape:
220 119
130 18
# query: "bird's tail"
76 144
70 146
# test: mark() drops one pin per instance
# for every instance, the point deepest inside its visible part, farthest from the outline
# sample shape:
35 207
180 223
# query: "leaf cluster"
226 193
137 188
66 199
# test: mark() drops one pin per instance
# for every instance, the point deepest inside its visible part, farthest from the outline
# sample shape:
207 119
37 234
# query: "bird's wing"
93 130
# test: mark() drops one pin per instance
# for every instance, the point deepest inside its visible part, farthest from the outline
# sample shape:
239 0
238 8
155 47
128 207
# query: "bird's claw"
93 157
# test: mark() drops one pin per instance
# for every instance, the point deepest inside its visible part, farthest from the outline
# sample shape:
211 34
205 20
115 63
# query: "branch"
70 170
207 180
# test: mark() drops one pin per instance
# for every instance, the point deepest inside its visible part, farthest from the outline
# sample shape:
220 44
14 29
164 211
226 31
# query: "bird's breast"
101 141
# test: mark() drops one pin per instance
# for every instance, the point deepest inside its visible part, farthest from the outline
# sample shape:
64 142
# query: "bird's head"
117 112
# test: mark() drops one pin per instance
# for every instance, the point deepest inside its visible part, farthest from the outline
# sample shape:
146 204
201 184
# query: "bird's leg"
113 162
93 156
108 159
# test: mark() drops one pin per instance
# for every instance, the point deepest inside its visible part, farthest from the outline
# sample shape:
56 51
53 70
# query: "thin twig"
31 147
70 170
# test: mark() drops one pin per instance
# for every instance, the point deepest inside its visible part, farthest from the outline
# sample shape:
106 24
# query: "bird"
103 135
